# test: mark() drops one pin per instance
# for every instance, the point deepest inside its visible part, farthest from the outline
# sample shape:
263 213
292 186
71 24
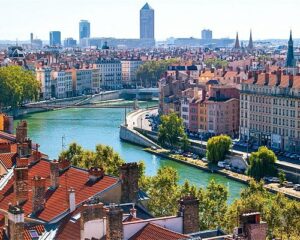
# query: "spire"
250 45
237 41
290 61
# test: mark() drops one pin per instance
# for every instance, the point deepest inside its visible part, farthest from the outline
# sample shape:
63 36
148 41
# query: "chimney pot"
64 164
54 174
95 174
72 200
38 193
15 222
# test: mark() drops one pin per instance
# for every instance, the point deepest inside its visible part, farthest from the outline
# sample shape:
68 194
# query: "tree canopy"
17 86
150 72
171 131
216 63
104 156
217 148
262 163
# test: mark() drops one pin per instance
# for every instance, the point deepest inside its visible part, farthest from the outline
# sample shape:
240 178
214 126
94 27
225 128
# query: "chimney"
36 155
38 194
24 149
291 80
189 210
54 174
114 225
72 202
133 211
129 175
64 164
267 78
22 162
21 184
255 77
251 227
21 132
91 211
278 77
15 222
95 174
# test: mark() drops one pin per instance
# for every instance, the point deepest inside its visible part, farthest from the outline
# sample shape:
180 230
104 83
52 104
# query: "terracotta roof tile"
155 232
40 229
8 159
57 200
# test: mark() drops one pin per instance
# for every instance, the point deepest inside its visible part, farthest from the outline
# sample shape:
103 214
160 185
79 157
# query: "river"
89 127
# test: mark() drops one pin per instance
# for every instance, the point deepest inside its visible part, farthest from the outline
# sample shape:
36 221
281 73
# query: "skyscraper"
206 34
84 29
146 22
55 38
290 61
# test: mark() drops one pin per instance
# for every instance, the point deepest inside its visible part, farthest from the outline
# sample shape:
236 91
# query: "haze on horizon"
268 19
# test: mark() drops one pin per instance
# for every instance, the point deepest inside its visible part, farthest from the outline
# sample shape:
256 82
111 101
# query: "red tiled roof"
57 200
40 229
155 232
8 159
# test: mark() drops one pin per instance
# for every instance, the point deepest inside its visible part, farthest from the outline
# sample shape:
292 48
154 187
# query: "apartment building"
129 71
270 104
110 73
61 84
96 80
43 75
82 81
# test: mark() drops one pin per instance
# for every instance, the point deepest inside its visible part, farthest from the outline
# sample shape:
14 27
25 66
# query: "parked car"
153 148
195 156
288 184
297 187
221 164
227 167
204 159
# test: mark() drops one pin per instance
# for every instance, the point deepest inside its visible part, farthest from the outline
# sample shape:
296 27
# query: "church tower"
290 61
237 42
250 44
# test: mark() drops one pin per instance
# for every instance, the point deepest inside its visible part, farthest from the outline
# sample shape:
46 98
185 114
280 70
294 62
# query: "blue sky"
177 18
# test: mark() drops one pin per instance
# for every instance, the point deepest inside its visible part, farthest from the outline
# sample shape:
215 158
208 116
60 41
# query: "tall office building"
84 29
146 22
55 38
206 34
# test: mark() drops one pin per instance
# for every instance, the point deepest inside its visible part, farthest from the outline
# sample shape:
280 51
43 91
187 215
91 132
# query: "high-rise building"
55 38
84 29
147 22
206 34
70 42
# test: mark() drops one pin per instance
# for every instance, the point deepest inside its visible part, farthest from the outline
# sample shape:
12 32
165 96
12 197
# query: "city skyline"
172 19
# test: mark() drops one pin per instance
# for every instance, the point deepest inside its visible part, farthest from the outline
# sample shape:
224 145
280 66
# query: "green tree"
104 156
217 148
281 176
212 205
150 72
164 192
17 86
171 131
216 63
262 163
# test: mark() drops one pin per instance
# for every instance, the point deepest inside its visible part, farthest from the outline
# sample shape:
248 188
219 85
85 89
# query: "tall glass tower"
146 22
84 29
55 38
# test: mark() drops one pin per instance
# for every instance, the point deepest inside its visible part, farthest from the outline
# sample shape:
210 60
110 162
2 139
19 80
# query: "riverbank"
137 115
199 164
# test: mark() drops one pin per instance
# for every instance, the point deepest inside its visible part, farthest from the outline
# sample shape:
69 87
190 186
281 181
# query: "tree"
217 148
216 62
171 131
17 86
164 192
212 205
262 163
104 156
150 72
281 176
